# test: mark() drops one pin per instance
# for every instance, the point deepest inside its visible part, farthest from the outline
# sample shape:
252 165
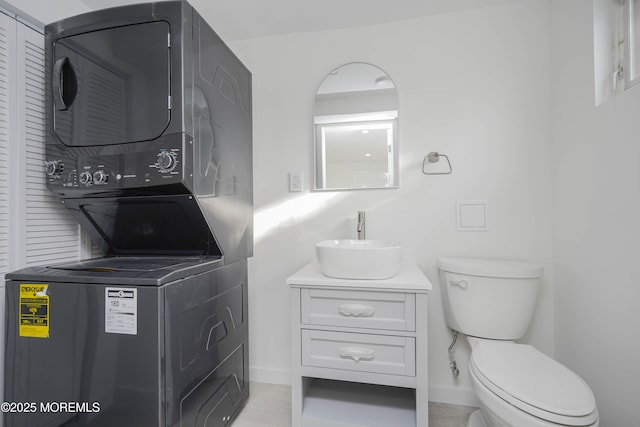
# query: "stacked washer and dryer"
148 144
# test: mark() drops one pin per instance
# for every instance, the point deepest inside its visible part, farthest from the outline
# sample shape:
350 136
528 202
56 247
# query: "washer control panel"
118 171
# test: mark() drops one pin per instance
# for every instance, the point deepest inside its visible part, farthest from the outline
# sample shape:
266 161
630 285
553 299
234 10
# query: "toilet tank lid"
491 267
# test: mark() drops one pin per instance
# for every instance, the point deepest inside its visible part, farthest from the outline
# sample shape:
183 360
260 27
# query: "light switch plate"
295 181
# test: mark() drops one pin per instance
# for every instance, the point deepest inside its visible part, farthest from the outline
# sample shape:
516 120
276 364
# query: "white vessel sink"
359 259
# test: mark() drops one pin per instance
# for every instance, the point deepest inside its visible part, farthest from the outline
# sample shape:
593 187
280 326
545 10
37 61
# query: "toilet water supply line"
452 359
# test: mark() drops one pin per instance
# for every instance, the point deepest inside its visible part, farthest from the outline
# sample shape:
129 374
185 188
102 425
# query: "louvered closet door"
51 234
7 132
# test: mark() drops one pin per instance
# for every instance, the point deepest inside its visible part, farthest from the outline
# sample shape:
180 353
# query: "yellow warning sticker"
34 310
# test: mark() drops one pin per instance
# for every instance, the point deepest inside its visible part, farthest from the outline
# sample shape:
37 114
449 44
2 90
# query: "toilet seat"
534 383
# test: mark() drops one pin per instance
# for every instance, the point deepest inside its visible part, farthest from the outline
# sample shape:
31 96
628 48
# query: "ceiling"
245 19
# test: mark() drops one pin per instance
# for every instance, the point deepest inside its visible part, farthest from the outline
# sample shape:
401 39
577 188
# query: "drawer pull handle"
356 310
356 353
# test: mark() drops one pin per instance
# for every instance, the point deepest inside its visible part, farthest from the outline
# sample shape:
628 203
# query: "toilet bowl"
519 386
492 302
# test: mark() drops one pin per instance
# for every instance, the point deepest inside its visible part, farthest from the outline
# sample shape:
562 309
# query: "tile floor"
269 405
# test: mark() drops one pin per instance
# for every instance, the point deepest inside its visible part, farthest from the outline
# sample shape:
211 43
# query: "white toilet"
491 302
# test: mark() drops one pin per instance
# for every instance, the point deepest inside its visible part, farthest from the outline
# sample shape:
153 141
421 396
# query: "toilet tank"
489 298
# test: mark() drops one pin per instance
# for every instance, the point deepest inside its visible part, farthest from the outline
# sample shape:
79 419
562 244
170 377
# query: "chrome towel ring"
434 157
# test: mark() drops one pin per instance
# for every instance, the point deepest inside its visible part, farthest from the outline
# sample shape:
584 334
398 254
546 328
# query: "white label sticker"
121 311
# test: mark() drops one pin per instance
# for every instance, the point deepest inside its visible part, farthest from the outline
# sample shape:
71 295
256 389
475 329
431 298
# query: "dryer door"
111 86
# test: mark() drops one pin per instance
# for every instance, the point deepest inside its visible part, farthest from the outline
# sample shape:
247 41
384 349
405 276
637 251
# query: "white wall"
596 221
47 11
473 85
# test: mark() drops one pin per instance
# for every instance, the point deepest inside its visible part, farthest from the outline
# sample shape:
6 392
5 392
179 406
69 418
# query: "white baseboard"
270 375
453 396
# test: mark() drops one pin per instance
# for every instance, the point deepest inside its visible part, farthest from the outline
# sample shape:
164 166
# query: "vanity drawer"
382 354
359 309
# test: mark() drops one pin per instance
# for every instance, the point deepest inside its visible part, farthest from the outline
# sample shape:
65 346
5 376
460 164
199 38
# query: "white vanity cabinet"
359 350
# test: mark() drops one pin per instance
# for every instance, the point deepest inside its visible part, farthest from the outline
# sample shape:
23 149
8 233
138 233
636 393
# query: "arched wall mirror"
356 129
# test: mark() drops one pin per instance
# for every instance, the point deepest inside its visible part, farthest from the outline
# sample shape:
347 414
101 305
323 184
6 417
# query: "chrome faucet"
361 225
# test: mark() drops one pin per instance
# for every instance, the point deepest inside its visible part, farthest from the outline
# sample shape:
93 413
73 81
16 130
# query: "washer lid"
534 382
490 267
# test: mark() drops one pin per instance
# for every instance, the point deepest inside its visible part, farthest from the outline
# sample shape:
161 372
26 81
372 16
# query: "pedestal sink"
359 259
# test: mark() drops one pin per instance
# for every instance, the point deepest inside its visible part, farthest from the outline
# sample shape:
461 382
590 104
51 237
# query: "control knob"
100 177
53 167
166 161
86 178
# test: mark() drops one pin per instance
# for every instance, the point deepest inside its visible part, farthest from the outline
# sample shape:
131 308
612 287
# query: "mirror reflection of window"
356 137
